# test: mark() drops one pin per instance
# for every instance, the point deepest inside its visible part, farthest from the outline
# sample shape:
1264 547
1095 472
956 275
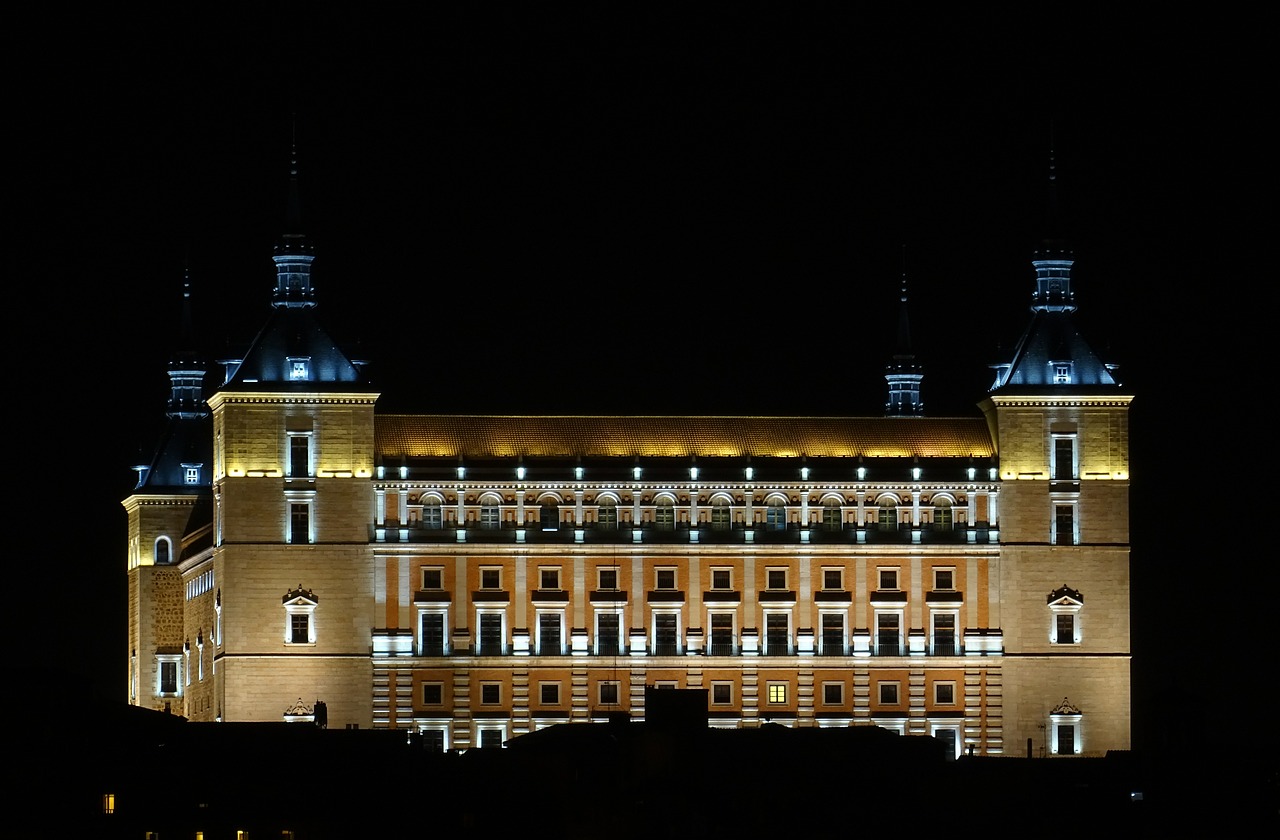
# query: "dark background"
564 209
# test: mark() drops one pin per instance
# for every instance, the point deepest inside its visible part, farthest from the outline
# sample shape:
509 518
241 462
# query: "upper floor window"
1064 524
721 514
776 578
888 516
942 518
549 578
607 577
491 578
164 551
833 579
775 515
300 608
665 579
433 578
432 514
490 516
944 579
1061 372
607 514
887 579
664 514
776 692
299 455
831 515
549 516
722 579
191 473
1064 457
299 523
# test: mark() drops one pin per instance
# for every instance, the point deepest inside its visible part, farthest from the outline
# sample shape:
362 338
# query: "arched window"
942 514
721 514
775 514
549 515
888 514
164 553
831 515
607 513
432 513
490 515
664 514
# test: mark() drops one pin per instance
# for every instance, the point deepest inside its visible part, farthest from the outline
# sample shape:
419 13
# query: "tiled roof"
493 436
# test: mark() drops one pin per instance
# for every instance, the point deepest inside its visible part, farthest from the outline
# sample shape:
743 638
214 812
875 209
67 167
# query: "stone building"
472 578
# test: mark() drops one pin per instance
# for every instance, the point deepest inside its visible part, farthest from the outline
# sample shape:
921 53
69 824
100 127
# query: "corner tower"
1060 421
168 520
292 458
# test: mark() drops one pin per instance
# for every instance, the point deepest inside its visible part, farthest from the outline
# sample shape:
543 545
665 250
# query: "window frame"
436 686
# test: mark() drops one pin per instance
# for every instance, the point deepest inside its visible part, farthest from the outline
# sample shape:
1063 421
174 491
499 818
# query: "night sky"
641 211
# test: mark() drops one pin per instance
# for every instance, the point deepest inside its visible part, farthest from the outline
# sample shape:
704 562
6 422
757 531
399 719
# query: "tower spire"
1053 260
902 373
294 252
186 370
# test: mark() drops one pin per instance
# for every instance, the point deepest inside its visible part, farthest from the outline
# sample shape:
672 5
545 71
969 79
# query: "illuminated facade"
473 578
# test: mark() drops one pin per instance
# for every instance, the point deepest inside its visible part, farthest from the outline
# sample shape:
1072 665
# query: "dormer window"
299 368
1061 373
191 473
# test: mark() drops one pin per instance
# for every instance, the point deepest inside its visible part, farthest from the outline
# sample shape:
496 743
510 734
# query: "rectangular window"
1064 524
1064 451
887 634
833 579
888 693
832 634
549 578
299 456
666 579
432 634
490 739
721 579
168 677
549 693
721 693
833 694
490 578
776 631
722 634
192 475
666 635
299 523
888 580
489 516
490 694
776 578
1066 739
432 693
549 634
608 634
490 634
433 579
299 628
609 694
944 579
777 693
944 634
432 517
1065 626
944 693
607 578
433 740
